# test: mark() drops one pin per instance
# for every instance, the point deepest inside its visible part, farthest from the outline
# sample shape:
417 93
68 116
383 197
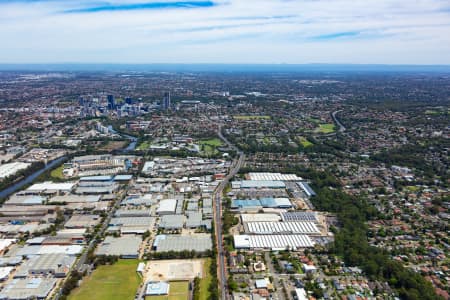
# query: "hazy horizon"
225 31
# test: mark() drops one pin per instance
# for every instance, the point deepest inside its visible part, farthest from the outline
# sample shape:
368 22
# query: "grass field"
58 172
144 146
305 143
251 117
215 142
179 290
117 282
209 147
326 128
205 281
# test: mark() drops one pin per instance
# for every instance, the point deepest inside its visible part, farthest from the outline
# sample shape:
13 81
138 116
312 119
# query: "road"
217 201
82 260
336 120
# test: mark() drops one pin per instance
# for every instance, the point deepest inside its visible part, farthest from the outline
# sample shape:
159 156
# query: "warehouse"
125 246
96 187
167 207
296 216
75 199
306 189
12 168
130 225
260 218
260 184
273 242
194 220
29 251
82 221
30 288
198 243
49 187
56 264
133 213
172 222
253 204
25 200
304 227
273 176
5 272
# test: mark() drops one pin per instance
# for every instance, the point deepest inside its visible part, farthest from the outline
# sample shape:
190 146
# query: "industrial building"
29 288
273 242
132 225
167 207
296 216
172 222
49 187
198 242
125 246
57 265
260 218
273 176
9 169
304 227
259 184
82 221
256 204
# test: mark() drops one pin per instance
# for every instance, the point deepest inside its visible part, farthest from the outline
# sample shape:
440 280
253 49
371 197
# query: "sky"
225 31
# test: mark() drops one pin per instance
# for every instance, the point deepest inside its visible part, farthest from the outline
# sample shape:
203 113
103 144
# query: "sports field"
179 290
209 147
305 143
117 282
326 128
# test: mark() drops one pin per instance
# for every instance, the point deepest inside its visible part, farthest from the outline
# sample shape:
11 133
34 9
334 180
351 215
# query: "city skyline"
269 32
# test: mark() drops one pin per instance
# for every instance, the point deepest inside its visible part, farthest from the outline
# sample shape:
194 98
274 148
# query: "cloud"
143 6
225 31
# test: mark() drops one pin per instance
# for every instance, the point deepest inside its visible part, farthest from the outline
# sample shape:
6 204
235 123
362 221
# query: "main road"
217 200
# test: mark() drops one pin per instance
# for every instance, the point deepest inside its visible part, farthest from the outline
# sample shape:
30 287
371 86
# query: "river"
18 185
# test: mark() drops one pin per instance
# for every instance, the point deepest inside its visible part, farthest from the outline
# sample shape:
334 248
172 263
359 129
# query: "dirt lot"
176 269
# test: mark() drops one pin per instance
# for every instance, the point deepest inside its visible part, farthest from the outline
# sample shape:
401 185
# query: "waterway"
20 184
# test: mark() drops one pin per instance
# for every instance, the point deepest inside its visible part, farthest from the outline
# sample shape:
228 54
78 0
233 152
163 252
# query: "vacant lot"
113 145
179 290
144 145
175 269
58 172
117 282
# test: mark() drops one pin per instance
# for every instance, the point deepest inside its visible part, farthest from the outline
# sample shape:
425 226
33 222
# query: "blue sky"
225 31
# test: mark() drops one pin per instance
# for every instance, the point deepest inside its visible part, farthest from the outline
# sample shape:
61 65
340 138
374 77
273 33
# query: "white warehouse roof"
167 206
305 227
273 242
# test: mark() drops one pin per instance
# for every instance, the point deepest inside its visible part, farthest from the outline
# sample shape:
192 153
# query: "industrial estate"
246 186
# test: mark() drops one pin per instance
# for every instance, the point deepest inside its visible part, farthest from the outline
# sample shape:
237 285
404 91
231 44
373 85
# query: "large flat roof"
28 288
273 176
273 242
51 186
121 246
246 184
199 243
305 227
